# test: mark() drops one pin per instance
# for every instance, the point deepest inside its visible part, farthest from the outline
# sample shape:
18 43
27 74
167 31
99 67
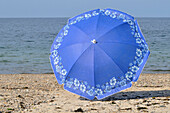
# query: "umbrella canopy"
99 53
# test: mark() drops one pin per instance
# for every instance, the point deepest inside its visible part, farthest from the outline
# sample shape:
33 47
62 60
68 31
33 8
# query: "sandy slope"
41 93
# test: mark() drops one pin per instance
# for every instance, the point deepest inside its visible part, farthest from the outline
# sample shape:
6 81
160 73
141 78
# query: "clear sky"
69 8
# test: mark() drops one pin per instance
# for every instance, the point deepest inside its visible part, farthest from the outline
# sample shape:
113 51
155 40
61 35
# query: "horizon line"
71 17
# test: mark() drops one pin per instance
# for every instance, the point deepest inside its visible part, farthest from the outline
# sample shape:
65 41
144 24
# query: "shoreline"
148 72
42 93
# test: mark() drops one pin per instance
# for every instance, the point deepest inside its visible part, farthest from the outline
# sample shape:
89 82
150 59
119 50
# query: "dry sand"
41 93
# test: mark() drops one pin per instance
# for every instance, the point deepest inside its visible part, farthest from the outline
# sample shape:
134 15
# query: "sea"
25 44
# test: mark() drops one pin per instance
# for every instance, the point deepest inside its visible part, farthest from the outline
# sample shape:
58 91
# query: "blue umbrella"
99 53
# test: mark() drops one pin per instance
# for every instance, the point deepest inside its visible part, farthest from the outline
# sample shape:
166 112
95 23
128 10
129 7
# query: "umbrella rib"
112 60
94 65
82 31
77 60
97 22
110 30
73 44
123 43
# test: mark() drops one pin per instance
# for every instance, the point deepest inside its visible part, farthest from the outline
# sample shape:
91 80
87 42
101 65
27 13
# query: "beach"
40 93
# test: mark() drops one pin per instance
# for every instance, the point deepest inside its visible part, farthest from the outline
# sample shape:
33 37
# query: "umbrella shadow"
134 95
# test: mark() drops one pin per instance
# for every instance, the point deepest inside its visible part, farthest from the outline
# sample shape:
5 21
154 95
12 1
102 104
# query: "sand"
40 93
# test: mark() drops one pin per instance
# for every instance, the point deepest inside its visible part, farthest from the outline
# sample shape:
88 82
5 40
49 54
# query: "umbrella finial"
94 41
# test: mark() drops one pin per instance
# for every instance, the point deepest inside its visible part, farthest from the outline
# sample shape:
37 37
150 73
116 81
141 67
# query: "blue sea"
25 44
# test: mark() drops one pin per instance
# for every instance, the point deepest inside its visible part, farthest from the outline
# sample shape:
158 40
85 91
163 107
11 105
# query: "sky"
70 8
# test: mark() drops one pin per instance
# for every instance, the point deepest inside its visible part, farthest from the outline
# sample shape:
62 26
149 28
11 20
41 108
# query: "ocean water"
25 44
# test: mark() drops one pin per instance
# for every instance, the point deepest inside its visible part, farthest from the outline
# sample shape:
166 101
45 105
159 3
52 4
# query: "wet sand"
41 93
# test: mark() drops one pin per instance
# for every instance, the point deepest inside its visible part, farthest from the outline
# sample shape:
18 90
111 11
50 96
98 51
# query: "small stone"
20 96
78 110
25 88
11 109
52 97
93 109
153 97
51 101
144 100
140 108
155 103
113 102
162 106
44 101
39 102
167 99
148 104
166 102
58 107
22 105
126 109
